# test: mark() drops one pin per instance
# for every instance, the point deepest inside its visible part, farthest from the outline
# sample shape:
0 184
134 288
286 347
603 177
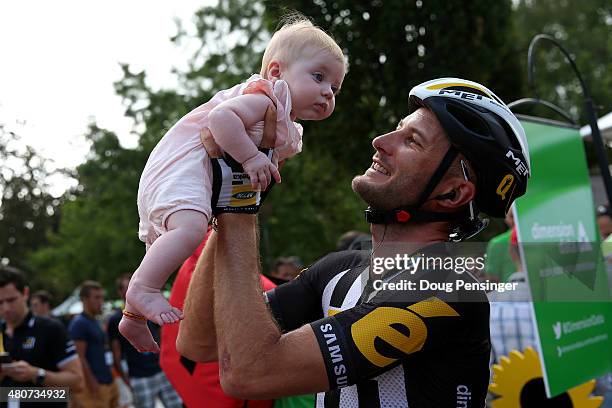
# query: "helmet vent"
468 89
469 120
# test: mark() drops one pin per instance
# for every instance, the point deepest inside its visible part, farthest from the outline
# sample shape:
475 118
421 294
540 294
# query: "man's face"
39 308
92 304
404 161
13 303
285 272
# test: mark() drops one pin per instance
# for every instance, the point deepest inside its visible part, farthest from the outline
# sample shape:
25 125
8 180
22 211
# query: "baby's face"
314 81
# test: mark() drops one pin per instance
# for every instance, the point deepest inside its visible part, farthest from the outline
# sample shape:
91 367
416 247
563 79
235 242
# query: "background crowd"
105 370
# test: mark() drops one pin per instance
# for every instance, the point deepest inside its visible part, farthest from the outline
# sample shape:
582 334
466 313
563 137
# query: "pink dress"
178 174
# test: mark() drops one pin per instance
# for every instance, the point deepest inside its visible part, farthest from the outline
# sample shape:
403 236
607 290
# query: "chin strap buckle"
402 216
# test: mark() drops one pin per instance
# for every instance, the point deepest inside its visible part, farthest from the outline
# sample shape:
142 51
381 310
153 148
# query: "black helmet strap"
404 214
443 167
412 213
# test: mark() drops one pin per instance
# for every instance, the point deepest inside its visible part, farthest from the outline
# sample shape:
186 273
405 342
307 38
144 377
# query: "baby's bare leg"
186 229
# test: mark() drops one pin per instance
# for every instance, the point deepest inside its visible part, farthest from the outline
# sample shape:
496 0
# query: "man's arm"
113 334
90 379
256 360
69 374
197 339
116 350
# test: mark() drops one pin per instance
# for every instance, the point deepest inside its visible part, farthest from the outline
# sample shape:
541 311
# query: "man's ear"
274 70
466 191
458 194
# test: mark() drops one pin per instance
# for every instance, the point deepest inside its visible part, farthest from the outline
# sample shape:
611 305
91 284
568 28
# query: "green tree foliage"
584 28
27 211
392 45
97 236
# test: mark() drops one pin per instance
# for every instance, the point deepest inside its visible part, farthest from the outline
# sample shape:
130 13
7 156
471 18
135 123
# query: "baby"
301 72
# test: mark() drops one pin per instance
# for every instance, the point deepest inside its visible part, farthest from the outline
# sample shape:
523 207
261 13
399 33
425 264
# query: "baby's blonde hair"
292 40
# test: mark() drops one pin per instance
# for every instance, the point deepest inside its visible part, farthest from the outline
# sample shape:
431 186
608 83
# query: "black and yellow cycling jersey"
390 347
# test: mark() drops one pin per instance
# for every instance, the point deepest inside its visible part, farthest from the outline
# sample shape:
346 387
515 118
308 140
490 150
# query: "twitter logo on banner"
557 329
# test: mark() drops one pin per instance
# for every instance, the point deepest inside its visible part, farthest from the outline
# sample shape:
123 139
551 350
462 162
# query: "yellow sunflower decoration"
518 383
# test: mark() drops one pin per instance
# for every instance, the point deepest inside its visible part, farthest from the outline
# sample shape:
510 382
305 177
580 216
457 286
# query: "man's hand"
256 361
20 371
232 188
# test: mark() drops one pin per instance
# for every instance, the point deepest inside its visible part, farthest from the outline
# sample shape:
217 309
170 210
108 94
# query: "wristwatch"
40 376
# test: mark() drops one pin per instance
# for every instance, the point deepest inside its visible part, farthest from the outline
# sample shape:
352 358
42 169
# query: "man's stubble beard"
400 192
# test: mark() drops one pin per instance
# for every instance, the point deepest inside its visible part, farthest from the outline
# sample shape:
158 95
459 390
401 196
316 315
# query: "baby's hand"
261 170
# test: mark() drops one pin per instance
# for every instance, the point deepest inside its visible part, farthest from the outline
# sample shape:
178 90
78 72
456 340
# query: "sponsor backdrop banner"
561 252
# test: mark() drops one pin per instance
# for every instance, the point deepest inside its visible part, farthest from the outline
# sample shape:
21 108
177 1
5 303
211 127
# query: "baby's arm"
228 123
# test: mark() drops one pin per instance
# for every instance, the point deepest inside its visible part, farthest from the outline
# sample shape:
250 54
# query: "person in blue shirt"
90 342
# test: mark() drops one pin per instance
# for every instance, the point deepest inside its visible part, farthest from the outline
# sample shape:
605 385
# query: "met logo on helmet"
520 166
461 94
468 96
